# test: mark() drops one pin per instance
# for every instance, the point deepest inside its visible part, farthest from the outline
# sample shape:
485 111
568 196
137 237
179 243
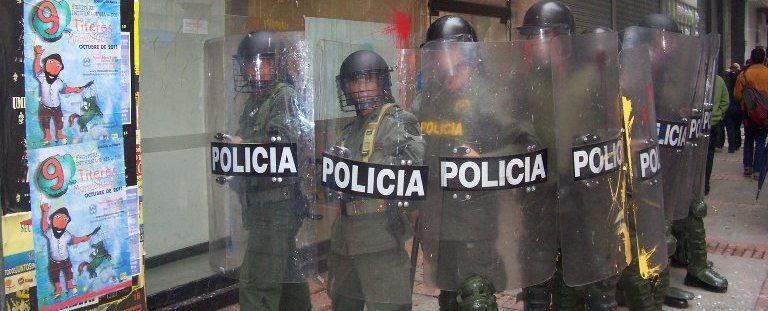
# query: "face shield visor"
364 90
255 74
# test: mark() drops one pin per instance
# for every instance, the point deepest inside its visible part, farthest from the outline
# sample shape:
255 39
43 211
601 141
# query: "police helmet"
659 21
451 28
364 65
548 16
256 63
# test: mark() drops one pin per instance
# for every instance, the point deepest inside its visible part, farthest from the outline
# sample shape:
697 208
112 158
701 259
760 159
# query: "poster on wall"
72 53
19 262
81 222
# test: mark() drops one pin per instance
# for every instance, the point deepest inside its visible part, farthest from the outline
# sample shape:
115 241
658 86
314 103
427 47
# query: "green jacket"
275 113
719 101
398 138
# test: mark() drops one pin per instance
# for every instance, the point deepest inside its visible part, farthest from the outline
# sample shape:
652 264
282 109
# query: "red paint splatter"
400 27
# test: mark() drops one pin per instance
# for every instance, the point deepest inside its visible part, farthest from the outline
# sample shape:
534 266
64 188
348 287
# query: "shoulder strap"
372 128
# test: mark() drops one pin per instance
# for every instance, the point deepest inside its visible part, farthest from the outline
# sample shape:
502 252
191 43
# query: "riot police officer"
269 278
551 19
689 240
368 266
462 253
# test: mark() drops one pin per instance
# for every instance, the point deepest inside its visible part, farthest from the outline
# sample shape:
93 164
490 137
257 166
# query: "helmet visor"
255 73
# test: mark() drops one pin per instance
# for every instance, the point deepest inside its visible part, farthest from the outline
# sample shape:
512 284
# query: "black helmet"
659 21
598 29
364 64
476 293
255 48
547 15
451 28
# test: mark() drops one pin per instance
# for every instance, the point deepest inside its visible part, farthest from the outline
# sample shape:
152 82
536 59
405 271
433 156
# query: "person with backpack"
753 78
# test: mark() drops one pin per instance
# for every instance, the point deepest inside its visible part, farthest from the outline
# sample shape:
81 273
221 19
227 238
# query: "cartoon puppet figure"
59 240
47 74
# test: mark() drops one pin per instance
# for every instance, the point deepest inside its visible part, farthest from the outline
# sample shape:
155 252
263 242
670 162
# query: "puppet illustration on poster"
80 222
72 71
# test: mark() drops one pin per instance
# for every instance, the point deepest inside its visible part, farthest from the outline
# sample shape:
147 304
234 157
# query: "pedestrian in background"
755 75
733 115
720 104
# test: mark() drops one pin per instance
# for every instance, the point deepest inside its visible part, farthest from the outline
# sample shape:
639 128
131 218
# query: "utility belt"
273 195
360 207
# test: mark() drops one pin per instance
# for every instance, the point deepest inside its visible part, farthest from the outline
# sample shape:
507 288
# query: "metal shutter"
630 12
590 13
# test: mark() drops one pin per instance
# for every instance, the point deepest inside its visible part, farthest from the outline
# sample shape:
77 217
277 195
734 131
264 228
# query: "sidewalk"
737 231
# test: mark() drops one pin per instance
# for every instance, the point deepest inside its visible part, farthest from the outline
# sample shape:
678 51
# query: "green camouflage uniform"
368 265
270 277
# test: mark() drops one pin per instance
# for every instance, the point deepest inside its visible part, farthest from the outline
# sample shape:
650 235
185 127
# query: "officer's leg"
564 297
295 296
345 285
679 255
636 292
260 274
700 274
385 280
447 300
447 274
537 297
474 259
601 295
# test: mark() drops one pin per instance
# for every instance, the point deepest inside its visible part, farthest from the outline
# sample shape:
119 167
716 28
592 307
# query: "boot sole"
692 282
675 303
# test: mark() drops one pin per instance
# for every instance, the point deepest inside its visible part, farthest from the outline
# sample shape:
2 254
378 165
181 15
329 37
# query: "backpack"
756 103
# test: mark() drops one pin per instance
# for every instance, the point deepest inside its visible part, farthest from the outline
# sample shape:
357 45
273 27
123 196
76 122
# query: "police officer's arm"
401 137
285 116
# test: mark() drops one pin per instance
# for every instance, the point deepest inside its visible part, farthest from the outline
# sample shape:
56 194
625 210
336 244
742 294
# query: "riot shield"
645 204
259 121
703 106
593 229
675 65
370 153
490 209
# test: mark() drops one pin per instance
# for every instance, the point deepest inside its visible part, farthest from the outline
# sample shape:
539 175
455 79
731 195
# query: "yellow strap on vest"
370 131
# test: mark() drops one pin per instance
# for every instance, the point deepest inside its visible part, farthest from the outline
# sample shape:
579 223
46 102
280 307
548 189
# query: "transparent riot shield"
490 210
675 65
703 106
370 171
645 207
259 121
593 229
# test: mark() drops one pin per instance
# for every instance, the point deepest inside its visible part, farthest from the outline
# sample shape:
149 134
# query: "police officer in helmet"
368 266
546 19
270 277
689 241
463 254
